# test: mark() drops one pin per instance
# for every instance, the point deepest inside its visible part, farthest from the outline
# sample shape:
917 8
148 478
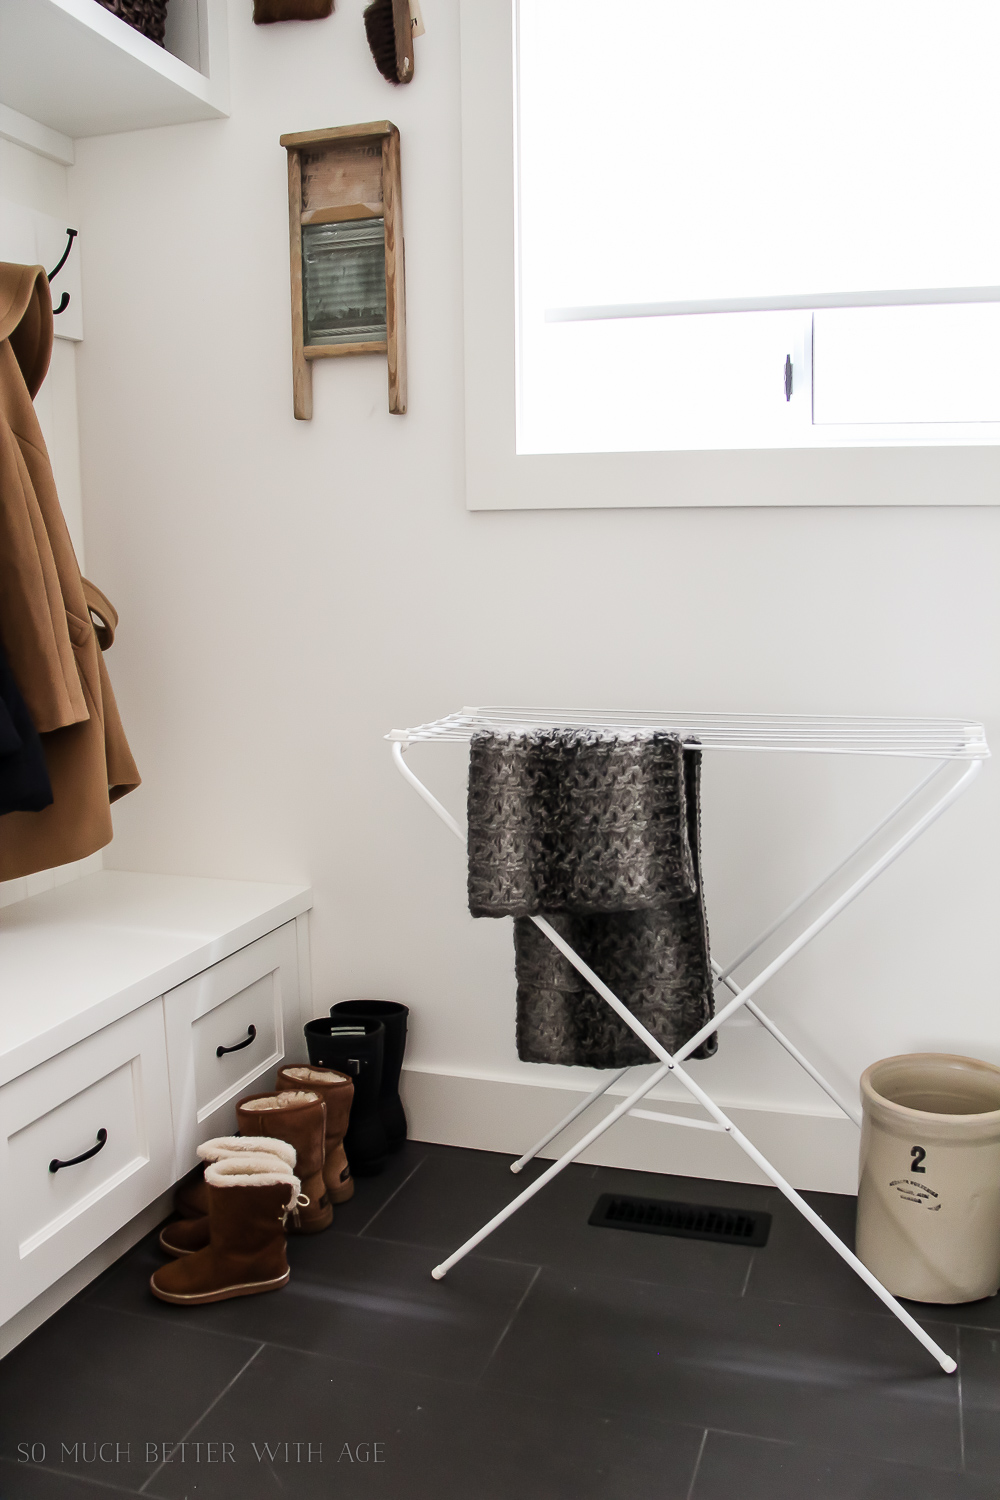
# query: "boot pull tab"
353 1064
301 1202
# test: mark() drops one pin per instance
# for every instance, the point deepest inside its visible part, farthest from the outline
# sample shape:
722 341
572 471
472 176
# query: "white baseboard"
817 1151
17 1328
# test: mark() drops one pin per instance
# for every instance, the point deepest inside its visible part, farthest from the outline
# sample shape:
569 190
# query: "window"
707 247
717 201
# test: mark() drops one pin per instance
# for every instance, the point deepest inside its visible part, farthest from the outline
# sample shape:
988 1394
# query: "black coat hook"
71 235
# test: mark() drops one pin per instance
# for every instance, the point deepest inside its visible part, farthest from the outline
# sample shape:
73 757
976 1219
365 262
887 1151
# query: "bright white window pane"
748 149
645 384
907 364
734 148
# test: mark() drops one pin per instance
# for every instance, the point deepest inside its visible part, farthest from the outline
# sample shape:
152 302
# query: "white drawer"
114 1082
213 1058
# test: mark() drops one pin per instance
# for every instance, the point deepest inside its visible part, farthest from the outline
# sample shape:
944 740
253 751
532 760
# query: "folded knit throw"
599 833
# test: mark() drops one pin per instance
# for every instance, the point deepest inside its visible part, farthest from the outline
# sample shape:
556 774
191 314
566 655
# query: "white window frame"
498 478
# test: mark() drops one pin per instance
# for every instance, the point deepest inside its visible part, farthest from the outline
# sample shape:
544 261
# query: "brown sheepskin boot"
299 1118
182 1236
249 1200
336 1091
191 1197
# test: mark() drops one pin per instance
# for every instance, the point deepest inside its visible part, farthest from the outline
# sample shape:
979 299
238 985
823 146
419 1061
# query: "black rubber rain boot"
393 1017
355 1048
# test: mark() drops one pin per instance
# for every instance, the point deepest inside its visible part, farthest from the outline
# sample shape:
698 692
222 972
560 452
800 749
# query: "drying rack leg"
672 1064
946 1362
874 870
841 864
591 1098
852 1111
948 1365
722 976
910 1323
553 1171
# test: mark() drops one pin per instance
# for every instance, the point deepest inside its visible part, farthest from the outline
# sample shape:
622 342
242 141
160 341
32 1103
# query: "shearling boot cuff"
234 1145
254 1169
306 1075
291 1099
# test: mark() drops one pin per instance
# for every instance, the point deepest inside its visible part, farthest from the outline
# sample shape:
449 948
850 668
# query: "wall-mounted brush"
389 29
266 11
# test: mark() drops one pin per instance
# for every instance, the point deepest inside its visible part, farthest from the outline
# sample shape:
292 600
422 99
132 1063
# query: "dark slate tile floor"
558 1360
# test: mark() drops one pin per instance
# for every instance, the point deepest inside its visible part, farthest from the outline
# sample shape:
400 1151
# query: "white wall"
34 182
290 591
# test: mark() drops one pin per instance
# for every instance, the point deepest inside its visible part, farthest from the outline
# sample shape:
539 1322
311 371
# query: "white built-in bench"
134 1011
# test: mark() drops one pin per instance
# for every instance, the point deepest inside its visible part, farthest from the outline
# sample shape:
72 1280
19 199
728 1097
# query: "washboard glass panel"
343 281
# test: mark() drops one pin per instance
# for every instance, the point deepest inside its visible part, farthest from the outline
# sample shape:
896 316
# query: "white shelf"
74 67
77 958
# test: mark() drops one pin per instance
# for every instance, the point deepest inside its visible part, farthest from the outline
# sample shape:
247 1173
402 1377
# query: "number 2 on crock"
918 1153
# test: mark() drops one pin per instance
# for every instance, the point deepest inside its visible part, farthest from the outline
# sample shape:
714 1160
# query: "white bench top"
79 956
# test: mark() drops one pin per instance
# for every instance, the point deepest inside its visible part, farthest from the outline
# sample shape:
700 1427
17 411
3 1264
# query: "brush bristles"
380 30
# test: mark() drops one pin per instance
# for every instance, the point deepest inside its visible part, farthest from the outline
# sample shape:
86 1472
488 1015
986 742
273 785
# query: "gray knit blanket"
600 834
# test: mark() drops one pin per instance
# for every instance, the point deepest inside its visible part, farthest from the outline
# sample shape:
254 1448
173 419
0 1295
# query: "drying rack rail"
943 739
956 747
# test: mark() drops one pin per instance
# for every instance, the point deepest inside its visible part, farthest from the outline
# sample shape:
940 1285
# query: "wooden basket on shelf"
147 16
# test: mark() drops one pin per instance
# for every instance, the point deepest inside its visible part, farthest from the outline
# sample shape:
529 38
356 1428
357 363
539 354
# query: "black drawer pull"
74 1161
251 1034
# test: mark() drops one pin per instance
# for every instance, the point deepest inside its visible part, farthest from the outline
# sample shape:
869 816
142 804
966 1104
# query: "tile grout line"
210 1407
98 1484
496 1260
408 1178
759 1437
697 1464
510 1321
153 1317
359 1364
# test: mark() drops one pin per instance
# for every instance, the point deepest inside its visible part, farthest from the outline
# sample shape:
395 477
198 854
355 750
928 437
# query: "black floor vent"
689 1221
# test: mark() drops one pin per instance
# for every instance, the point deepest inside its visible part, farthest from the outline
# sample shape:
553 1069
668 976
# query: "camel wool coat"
47 629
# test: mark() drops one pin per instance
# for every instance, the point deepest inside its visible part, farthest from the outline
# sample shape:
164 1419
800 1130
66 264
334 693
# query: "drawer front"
111 1091
234 1040
225 1028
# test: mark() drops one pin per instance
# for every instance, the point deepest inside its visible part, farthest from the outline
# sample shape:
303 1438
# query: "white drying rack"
943 741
